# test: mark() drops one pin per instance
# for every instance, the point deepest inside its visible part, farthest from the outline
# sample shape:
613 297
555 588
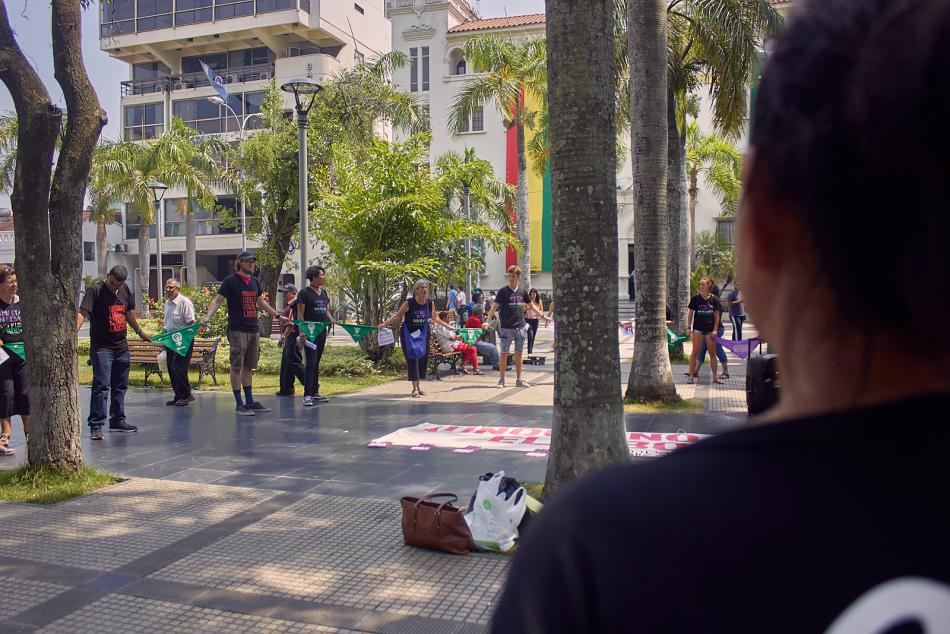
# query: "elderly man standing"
109 305
291 361
179 313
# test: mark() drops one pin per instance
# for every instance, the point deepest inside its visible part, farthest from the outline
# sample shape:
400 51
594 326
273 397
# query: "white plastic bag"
162 359
494 519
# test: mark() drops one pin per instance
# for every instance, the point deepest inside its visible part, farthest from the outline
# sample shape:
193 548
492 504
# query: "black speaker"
761 383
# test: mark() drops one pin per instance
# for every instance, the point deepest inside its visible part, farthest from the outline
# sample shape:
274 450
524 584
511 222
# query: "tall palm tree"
720 163
651 377
506 71
8 136
124 171
588 430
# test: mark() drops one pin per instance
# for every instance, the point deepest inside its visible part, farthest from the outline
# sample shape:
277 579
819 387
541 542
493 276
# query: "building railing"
186 81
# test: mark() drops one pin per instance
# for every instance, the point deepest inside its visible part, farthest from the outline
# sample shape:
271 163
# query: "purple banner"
741 348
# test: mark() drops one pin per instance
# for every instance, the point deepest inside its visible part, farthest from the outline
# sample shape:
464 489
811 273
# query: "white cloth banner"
534 440
385 337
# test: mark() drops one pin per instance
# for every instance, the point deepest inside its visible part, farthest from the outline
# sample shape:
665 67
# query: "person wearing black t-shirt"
243 294
511 303
109 305
705 312
313 304
14 382
829 513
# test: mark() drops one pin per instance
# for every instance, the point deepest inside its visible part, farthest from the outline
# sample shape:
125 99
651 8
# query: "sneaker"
520 383
243 410
257 406
308 401
690 381
171 402
123 427
95 432
185 401
317 398
500 384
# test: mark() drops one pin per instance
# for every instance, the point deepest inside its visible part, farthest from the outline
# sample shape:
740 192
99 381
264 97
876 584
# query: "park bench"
145 353
437 358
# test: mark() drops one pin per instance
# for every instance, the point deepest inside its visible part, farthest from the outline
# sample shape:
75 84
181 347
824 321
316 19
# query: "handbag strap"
438 511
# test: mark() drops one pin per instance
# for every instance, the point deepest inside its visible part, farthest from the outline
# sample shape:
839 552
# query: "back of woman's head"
849 135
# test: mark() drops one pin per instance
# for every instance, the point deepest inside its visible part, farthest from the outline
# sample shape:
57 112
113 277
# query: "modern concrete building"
248 43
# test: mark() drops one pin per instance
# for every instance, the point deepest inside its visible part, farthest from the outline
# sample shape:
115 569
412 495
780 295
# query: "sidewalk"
286 521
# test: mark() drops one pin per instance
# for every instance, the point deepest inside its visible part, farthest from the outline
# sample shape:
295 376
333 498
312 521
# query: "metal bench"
145 353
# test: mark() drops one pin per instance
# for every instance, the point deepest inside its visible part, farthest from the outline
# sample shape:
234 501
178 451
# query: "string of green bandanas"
17 349
469 335
179 340
358 331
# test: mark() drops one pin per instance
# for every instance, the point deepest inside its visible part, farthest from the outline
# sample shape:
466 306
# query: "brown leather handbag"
437 526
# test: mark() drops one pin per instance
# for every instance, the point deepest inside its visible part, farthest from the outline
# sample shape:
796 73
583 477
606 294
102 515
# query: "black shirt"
704 319
107 310
774 528
11 322
242 302
418 314
511 305
315 306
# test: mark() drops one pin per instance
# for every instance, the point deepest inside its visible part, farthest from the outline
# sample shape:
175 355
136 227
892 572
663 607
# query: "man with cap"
243 293
291 361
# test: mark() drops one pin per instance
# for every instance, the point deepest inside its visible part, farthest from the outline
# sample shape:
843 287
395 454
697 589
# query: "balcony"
187 81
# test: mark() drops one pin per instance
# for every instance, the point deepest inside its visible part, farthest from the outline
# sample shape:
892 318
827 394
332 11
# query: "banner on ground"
180 339
357 331
17 349
534 440
742 348
469 335
311 329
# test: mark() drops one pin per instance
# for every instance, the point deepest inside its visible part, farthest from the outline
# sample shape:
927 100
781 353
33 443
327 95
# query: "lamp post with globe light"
158 192
301 87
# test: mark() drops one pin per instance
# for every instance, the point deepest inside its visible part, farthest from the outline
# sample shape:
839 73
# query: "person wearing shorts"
511 302
243 293
705 312
14 383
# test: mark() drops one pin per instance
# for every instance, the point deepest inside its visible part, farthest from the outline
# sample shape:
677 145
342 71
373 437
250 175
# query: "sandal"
6 450
421 393
464 371
477 372
718 380
415 394
724 375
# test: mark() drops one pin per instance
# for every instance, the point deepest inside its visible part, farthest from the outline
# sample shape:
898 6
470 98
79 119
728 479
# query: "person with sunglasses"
244 295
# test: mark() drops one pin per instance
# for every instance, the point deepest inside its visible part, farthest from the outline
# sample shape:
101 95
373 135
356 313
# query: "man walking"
243 293
291 361
452 302
511 302
109 305
460 301
179 313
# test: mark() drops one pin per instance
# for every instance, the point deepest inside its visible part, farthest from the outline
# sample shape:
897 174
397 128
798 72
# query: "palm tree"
651 377
124 171
720 162
8 135
506 71
588 430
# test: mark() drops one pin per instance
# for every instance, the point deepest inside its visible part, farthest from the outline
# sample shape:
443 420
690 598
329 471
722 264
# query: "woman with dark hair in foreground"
831 513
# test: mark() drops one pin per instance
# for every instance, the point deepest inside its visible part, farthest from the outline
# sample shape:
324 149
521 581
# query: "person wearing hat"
291 361
243 293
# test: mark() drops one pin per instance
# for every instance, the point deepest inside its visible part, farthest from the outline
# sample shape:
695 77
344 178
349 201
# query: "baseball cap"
246 255
288 288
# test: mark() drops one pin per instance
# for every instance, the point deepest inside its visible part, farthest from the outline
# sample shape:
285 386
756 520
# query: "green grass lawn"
43 486
670 406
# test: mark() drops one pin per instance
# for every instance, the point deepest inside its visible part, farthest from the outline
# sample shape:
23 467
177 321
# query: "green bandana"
312 329
673 340
469 335
180 339
17 349
358 331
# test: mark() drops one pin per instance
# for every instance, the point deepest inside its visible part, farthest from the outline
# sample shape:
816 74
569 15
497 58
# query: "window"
726 229
461 68
133 224
154 14
210 118
116 18
207 222
413 70
359 9
193 11
150 70
88 251
266 6
224 9
425 68
475 123
358 58
144 121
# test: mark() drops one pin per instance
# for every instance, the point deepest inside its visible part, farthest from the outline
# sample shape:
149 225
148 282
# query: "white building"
248 43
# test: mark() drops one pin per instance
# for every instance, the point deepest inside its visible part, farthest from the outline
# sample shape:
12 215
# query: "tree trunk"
678 219
273 262
144 273
693 194
191 253
49 212
588 432
651 377
102 249
524 227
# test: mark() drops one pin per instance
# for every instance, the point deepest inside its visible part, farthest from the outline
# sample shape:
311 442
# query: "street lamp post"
466 211
300 87
158 192
242 123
